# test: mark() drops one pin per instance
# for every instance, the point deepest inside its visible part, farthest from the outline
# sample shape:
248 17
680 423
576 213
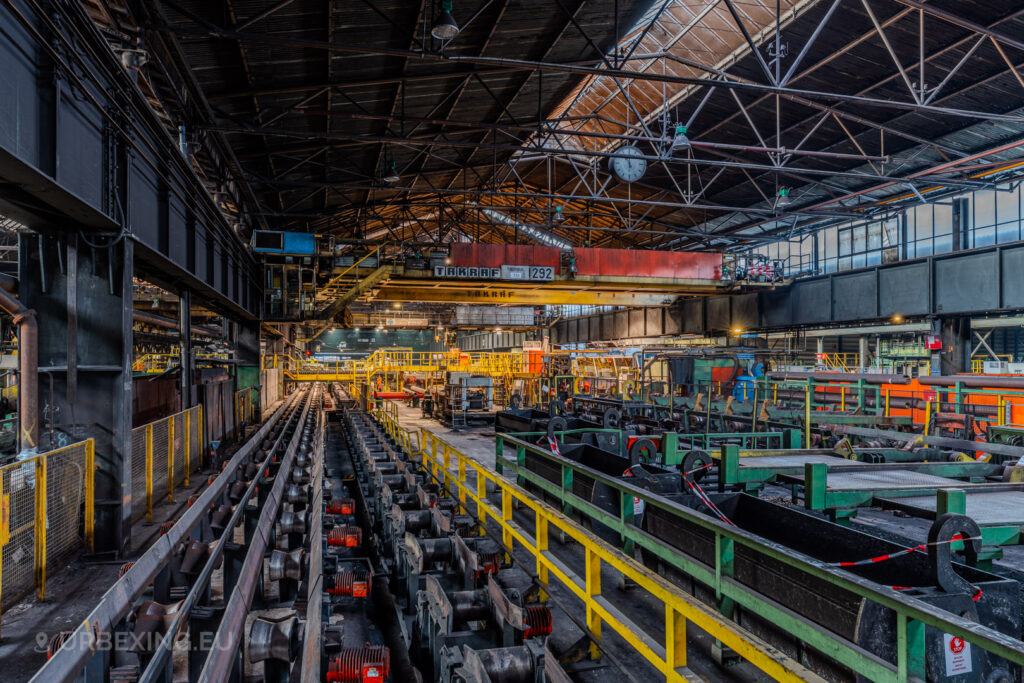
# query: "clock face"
628 164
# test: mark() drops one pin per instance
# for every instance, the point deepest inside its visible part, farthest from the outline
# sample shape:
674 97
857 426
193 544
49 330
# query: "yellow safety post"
1001 413
675 637
447 457
90 495
462 479
202 434
842 399
887 391
40 524
927 417
149 473
592 586
506 515
541 536
170 459
188 443
481 496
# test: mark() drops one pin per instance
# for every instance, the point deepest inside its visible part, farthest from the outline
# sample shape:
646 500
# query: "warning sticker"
958 655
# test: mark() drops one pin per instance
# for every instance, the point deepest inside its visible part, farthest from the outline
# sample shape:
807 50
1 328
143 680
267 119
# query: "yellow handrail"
164 454
669 655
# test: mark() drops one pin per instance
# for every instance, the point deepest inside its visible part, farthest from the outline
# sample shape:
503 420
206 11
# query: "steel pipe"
973 381
867 378
160 321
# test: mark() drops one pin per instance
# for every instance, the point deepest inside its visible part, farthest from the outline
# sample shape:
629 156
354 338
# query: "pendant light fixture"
445 27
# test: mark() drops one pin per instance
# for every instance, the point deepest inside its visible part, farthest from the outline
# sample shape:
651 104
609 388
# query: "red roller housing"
345 537
367 664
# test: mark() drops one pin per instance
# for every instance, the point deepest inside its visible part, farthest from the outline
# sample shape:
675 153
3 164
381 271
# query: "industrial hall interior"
511 341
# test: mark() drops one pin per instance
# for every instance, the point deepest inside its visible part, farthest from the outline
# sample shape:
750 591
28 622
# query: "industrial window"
990 217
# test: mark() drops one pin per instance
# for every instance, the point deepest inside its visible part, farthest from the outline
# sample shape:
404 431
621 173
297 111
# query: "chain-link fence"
46 516
164 454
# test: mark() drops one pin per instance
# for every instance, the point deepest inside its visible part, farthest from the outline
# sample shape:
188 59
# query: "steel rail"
312 631
154 670
219 664
68 662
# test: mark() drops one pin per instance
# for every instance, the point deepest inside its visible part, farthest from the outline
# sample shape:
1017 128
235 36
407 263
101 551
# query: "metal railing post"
592 572
188 443
170 459
149 473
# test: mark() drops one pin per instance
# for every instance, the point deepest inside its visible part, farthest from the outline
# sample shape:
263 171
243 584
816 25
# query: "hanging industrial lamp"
558 216
680 141
784 199
445 27
391 176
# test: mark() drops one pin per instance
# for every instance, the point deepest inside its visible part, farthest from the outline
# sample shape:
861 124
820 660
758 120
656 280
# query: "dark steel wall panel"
144 212
23 106
719 313
903 290
812 301
79 147
607 326
620 329
693 316
177 225
967 283
673 320
776 308
855 296
655 327
595 328
636 323
744 311
1012 276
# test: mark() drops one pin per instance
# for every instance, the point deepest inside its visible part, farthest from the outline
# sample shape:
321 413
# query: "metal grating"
19 552
196 437
179 447
160 458
65 504
138 473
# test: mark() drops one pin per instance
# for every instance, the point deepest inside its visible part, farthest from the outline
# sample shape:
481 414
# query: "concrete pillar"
863 353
